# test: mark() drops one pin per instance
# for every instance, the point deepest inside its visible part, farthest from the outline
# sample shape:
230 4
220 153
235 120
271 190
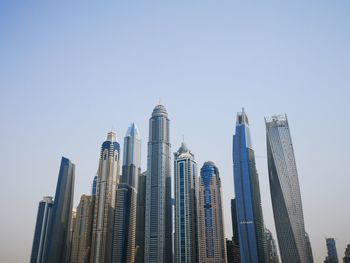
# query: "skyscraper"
285 191
211 236
126 197
107 180
272 255
40 233
185 176
332 255
346 258
310 256
58 244
81 241
140 218
250 222
158 221
235 239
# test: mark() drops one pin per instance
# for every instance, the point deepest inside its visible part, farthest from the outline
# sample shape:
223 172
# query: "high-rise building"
230 251
252 243
40 233
140 218
70 237
310 256
235 239
107 180
211 236
332 255
82 230
185 176
58 242
272 255
158 221
285 191
346 258
124 232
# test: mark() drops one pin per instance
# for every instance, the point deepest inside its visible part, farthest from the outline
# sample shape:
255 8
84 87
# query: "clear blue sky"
69 72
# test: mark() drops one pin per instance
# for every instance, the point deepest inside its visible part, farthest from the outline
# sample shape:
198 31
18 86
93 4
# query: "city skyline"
72 71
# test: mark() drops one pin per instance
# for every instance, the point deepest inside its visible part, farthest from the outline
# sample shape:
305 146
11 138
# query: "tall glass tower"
211 235
158 222
185 176
107 180
60 220
285 191
140 218
126 197
40 233
332 255
248 203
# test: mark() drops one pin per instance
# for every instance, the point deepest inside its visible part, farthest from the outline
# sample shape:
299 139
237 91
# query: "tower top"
159 110
242 118
111 136
183 148
133 131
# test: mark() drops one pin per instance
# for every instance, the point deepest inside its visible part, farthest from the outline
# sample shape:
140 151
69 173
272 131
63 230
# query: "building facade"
82 230
346 258
211 236
332 255
58 237
40 233
124 232
285 191
252 243
140 218
310 256
158 221
107 180
235 238
272 255
185 176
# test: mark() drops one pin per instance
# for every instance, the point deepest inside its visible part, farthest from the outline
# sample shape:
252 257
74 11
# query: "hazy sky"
72 70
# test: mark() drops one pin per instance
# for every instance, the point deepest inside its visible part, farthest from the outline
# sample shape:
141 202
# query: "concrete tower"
107 180
158 222
211 236
81 240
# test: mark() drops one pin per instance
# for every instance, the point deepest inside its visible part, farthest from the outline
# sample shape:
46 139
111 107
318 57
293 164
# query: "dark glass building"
40 233
58 242
346 258
247 194
235 239
332 255
140 218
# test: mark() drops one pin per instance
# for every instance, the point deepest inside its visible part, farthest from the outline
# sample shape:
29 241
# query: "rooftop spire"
133 131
